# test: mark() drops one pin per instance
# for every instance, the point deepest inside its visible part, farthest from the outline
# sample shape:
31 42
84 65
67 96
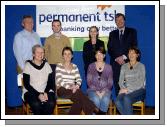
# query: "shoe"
96 111
101 113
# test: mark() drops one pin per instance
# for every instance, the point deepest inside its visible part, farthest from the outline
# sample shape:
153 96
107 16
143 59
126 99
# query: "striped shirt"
66 78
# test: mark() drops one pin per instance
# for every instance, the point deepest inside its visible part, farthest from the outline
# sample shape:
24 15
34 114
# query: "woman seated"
68 83
131 82
100 80
39 87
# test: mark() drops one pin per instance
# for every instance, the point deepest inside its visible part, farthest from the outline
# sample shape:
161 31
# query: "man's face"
28 24
120 22
56 27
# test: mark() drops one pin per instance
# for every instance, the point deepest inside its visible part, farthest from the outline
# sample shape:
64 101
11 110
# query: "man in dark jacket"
119 42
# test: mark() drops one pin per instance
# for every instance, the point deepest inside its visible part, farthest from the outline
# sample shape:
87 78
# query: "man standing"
24 41
54 45
119 42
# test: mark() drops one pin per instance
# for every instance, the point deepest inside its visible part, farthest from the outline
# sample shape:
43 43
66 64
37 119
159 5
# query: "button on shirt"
22 46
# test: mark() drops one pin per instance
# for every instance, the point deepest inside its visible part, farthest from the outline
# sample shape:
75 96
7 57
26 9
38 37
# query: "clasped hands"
120 60
43 97
100 94
74 88
123 90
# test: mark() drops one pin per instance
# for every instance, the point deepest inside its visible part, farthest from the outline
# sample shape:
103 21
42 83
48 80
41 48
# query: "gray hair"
35 47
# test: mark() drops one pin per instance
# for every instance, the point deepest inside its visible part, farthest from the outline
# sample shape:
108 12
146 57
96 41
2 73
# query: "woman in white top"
38 83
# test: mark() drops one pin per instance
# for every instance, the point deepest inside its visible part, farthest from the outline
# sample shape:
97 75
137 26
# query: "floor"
18 111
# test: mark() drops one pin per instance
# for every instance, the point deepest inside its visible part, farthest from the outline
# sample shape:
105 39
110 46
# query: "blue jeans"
101 103
124 101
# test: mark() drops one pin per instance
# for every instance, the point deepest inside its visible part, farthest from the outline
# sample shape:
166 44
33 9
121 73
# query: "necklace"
100 66
131 65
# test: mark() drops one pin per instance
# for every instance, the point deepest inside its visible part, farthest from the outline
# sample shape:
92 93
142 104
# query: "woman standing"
38 83
100 80
90 47
131 82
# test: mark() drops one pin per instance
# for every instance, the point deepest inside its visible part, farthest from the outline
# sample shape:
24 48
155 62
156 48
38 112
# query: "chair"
139 106
62 103
26 107
112 108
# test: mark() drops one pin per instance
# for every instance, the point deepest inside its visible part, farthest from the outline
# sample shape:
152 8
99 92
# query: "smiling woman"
38 88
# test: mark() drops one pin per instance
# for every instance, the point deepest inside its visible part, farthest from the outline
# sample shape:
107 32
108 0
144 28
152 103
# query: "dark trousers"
80 101
116 73
39 108
53 66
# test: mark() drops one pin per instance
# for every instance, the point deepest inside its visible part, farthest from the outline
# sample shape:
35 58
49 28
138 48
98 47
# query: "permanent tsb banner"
77 19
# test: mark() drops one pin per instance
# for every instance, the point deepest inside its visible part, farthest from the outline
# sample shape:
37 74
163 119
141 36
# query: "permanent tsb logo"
77 19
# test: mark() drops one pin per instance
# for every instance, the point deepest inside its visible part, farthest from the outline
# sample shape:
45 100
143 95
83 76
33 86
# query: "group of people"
48 72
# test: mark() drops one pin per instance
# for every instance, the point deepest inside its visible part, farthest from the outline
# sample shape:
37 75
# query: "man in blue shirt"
24 41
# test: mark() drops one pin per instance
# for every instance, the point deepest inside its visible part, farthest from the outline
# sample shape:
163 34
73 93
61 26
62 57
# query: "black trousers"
80 101
39 108
53 66
116 73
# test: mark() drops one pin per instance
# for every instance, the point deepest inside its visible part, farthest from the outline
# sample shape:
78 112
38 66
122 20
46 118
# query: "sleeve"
110 78
122 77
142 76
68 42
85 54
58 78
90 78
134 41
26 80
46 47
39 40
109 45
77 77
17 48
50 83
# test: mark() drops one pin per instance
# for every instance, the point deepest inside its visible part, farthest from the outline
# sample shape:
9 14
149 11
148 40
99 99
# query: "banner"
77 19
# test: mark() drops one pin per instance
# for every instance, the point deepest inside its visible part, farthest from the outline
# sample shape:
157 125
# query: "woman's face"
67 55
93 33
99 56
132 55
39 54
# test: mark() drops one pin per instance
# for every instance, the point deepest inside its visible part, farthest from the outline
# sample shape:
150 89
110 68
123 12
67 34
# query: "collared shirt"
122 29
22 46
